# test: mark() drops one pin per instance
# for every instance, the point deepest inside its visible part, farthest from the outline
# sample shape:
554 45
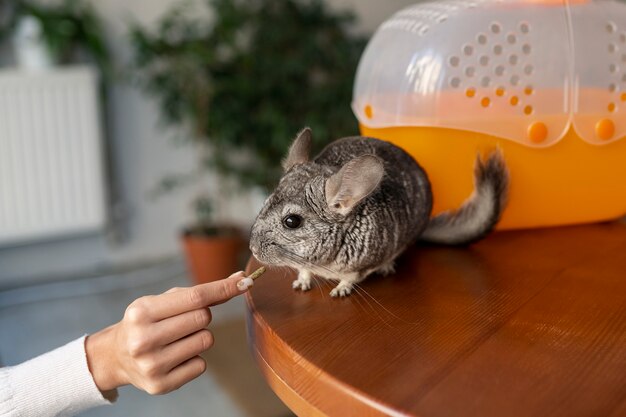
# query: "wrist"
103 362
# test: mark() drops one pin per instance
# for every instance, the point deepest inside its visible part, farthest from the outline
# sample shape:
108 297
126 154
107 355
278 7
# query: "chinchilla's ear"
355 180
299 149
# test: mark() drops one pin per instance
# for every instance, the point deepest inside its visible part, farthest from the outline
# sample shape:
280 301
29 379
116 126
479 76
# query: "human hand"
156 346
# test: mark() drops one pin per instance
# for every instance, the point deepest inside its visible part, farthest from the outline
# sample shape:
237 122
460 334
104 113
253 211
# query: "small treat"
257 273
249 281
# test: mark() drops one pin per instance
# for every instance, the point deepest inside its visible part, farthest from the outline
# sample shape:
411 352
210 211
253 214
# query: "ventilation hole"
612 88
528 110
611 107
537 132
468 50
443 18
514 80
528 90
485 102
510 38
499 70
485 81
528 69
613 68
495 28
612 48
470 92
481 38
526 48
500 91
369 112
470 71
610 27
514 101
423 31
513 59
454 61
484 60
605 129
622 97
455 82
497 49
622 37
524 27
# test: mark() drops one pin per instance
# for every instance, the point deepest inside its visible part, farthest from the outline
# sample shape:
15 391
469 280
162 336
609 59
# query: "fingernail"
245 283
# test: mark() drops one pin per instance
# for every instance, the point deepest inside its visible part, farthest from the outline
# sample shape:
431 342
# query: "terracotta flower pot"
210 258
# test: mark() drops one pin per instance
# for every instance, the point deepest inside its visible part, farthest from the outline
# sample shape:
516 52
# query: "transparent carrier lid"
523 70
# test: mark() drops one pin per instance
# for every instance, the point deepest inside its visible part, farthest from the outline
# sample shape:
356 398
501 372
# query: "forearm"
55 383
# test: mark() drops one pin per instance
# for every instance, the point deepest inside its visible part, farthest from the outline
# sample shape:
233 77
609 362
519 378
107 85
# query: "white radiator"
51 160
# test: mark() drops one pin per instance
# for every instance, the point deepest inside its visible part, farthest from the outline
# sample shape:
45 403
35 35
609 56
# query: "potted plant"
211 249
244 79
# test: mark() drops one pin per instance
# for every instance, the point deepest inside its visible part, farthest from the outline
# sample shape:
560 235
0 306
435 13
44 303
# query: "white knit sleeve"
57 383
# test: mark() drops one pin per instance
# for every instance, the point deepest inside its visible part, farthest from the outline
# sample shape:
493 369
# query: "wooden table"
529 323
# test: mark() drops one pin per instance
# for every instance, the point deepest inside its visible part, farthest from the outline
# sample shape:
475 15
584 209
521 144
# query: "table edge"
267 352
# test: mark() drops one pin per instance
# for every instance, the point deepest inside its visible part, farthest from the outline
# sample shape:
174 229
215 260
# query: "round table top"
523 323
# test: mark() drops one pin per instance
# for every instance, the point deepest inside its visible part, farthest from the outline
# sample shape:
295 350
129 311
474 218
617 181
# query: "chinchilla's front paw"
343 289
302 283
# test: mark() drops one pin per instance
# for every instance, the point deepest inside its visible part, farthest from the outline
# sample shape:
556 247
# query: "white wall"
142 153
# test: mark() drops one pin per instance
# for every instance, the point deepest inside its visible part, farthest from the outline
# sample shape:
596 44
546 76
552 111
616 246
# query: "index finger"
186 299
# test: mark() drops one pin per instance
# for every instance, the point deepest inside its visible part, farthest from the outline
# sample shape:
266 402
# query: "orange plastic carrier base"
567 183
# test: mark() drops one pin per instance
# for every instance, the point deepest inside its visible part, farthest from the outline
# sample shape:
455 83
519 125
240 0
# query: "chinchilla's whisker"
284 270
277 268
306 263
292 256
359 292
318 284
365 306
364 291
281 269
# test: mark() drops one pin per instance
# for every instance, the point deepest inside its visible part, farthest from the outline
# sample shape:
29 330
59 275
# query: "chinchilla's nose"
254 242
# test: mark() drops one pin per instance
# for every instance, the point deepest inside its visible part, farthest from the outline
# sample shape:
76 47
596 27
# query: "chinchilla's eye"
292 221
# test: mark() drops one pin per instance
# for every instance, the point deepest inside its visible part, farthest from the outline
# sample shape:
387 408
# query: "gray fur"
362 201
480 213
299 150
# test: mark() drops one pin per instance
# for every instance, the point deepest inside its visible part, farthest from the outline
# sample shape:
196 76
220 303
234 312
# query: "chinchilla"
356 207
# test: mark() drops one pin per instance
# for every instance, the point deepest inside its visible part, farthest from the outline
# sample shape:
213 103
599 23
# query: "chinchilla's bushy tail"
480 213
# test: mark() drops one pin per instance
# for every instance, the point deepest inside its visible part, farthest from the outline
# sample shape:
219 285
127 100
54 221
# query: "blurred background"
138 140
